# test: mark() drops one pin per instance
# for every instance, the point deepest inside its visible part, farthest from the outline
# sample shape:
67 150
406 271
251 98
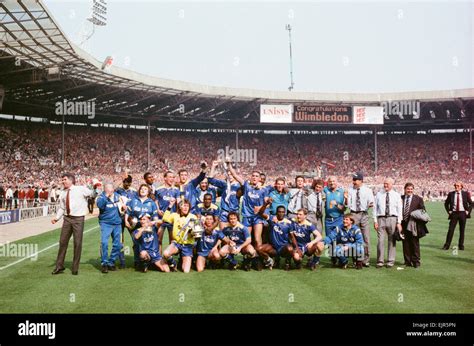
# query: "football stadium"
193 198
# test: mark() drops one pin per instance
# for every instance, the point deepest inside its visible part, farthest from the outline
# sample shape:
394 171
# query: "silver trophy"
196 229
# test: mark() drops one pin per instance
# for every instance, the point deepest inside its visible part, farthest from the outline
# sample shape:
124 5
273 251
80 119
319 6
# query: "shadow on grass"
432 246
457 258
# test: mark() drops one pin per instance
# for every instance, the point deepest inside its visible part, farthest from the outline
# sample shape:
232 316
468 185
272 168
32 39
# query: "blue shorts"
304 249
186 250
250 221
203 253
154 255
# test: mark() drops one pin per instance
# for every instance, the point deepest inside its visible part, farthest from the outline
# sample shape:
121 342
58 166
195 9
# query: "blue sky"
356 46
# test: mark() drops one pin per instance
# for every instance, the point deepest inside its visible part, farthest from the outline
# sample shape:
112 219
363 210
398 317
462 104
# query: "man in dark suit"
414 231
458 205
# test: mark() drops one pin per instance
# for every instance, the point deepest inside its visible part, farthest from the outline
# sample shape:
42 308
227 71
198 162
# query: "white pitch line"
36 253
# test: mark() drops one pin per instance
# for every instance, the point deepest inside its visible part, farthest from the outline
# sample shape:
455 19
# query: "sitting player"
237 239
207 245
347 242
183 240
280 228
147 240
302 243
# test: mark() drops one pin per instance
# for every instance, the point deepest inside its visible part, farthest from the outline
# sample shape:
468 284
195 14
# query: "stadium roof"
39 66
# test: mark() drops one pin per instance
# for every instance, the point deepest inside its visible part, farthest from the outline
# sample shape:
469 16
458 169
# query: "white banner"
276 113
367 115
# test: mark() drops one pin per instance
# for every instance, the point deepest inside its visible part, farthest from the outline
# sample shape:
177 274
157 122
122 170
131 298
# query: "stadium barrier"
32 213
9 216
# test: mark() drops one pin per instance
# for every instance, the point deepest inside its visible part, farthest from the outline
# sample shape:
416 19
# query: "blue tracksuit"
339 237
334 215
110 222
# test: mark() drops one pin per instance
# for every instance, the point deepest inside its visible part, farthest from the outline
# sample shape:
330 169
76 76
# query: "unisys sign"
276 113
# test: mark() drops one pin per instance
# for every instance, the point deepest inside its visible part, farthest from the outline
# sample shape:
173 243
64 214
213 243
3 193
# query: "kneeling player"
207 245
302 243
147 239
237 239
347 242
183 239
280 228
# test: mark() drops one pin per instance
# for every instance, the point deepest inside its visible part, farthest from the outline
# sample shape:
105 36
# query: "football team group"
264 223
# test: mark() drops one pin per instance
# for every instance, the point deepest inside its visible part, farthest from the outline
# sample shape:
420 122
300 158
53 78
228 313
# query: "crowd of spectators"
30 164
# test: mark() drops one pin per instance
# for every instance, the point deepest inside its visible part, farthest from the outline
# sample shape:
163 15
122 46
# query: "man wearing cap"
360 200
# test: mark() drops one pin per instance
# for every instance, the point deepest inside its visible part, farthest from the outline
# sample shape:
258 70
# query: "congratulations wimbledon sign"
322 114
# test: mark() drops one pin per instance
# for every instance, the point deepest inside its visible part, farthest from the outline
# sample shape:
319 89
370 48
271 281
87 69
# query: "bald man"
388 216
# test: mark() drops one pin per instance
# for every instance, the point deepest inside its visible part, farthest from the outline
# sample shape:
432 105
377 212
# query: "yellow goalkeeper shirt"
181 226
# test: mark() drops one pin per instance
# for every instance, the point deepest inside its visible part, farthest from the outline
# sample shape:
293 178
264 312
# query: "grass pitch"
443 284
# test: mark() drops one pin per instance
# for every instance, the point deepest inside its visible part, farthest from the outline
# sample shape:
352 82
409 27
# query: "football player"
208 245
229 197
347 242
300 237
164 194
187 189
140 204
126 193
280 228
237 239
208 208
183 239
147 240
